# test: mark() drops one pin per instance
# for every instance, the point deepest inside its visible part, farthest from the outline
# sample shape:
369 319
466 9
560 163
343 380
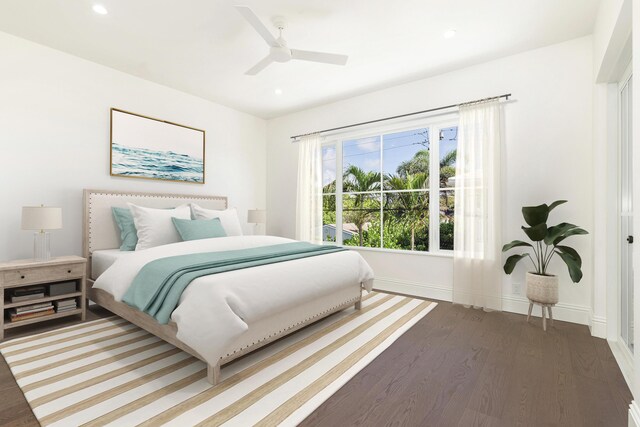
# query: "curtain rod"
506 96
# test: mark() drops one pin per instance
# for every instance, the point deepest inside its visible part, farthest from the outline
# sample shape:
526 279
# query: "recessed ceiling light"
100 9
278 91
448 34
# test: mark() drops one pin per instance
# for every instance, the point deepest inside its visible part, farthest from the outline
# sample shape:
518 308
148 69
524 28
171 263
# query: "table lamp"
256 216
41 218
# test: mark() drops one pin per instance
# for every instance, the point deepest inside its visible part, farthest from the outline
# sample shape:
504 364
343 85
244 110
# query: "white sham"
228 218
154 226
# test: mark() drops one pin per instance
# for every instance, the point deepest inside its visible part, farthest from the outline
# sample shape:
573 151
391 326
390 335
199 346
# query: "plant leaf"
515 244
537 232
511 262
535 215
574 269
572 252
556 203
571 232
556 231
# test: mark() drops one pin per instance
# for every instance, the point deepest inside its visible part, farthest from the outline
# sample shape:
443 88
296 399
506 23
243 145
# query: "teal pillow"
128 232
196 229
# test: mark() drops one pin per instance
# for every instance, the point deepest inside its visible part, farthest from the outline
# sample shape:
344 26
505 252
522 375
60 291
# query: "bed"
223 316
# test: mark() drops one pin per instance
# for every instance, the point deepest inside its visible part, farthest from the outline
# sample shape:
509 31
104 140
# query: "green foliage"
360 208
409 209
447 168
418 164
406 213
546 242
535 215
446 235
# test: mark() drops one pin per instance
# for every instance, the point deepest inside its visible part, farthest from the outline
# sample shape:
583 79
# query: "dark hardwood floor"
458 367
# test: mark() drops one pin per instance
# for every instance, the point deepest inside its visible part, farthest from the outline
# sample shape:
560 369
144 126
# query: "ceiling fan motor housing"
280 53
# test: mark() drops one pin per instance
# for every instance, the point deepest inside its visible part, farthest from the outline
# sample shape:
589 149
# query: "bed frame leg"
213 374
358 305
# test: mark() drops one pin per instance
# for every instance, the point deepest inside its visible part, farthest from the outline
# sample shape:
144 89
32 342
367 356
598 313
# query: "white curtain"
477 269
309 201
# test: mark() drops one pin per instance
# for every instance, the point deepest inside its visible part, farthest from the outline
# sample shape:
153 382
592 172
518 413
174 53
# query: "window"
393 187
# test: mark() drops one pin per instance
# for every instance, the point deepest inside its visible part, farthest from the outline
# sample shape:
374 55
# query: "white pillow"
228 218
155 227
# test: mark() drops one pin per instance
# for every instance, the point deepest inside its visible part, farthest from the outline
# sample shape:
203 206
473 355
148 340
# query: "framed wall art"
148 148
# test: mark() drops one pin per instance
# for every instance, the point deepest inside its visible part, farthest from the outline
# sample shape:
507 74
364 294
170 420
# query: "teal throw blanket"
157 288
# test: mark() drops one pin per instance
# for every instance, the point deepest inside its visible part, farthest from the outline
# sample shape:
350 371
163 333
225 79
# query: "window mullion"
339 174
380 196
434 185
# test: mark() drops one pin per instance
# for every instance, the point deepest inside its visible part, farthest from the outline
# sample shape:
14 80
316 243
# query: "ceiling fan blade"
259 66
255 22
328 58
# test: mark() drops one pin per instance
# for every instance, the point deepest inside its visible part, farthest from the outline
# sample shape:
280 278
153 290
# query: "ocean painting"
142 147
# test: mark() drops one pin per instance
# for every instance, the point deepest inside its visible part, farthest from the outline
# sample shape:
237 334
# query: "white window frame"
435 125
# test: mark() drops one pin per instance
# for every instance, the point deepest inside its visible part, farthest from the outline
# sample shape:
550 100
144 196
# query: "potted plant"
542 287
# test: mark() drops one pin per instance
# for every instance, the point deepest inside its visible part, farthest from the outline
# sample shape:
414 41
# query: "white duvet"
215 310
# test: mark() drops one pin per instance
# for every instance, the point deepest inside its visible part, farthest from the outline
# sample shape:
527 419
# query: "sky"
397 148
139 132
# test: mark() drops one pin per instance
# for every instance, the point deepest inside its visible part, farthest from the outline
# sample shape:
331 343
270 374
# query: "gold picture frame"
145 147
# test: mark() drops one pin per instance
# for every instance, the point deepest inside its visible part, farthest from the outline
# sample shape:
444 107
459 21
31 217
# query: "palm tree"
358 181
447 170
411 204
330 187
447 167
419 163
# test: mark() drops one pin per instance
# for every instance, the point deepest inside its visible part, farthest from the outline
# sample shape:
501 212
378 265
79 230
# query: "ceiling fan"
278 50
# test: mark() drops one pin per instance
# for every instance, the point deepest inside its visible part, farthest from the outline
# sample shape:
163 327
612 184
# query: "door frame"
624 80
621 352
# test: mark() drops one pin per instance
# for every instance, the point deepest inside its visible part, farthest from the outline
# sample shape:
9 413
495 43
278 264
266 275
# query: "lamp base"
41 246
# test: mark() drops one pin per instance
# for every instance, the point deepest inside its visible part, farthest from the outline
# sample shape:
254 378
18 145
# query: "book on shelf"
15 311
26 316
27 297
66 303
31 307
30 290
65 309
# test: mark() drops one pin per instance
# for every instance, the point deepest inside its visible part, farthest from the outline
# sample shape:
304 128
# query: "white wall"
547 156
54 140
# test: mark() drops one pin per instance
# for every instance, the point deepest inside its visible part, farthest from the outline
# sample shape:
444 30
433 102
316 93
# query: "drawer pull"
69 271
22 277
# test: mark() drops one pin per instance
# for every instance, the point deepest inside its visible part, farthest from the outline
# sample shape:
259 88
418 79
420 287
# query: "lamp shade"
257 216
41 218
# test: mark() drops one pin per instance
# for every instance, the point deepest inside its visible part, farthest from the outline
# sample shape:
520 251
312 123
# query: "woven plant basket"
542 289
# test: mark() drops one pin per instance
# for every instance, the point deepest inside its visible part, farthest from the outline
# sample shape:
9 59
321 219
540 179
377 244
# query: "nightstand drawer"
27 276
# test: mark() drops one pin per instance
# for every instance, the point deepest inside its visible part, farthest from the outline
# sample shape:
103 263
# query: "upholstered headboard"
100 230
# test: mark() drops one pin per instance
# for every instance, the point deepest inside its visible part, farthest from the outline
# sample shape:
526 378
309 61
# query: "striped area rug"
110 372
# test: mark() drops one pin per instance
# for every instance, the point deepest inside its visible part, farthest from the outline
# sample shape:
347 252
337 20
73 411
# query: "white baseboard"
413 288
598 325
566 312
624 358
634 414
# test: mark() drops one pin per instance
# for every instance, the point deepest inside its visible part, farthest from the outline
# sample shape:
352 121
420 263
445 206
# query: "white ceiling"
203 47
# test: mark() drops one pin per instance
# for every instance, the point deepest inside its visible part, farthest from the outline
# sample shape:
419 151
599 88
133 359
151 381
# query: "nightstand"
37 291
